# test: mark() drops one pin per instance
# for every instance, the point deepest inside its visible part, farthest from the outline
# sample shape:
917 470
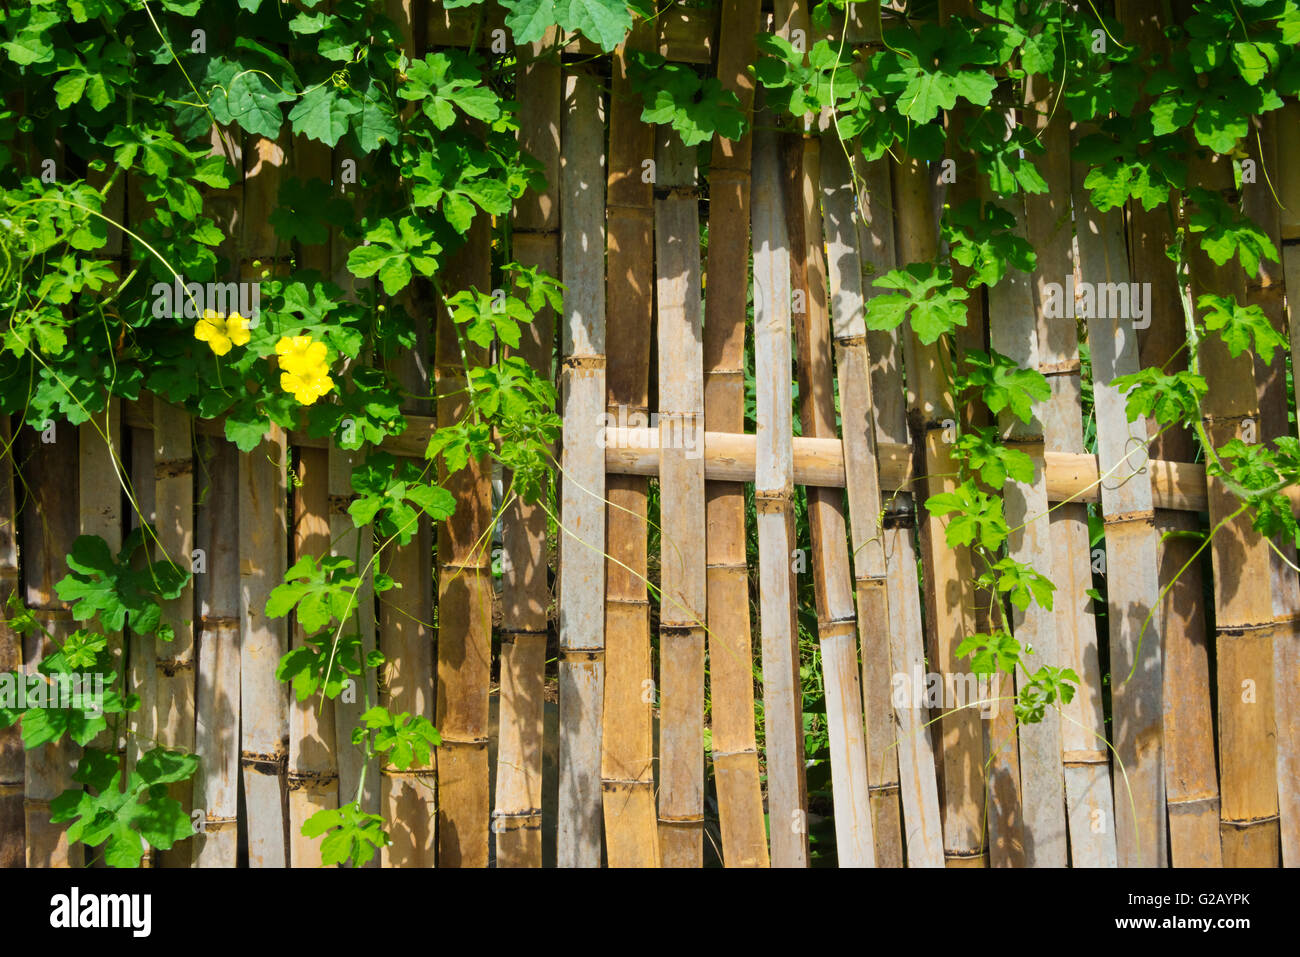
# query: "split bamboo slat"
142 670
1089 800
264 704
627 758
217 698
1286 643
787 798
833 587
49 527
731 655
1013 331
517 814
13 828
1191 779
358 545
682 598
1244 611
100 507
409 797
263 551
998 727
902 729
1133 588
464 592
174 505
1266 291
949 596
862 475
312 778
582 467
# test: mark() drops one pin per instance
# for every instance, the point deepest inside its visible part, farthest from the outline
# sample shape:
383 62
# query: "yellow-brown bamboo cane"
1089 799
582 506
773 491
13 831
731 655
627 757
525 593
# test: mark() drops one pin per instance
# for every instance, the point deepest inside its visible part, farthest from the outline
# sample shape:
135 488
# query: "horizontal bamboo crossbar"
730 457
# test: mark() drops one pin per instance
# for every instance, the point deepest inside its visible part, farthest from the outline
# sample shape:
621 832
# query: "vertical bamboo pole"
1133 589
1191 780
582 506
263 550
264 702
358 545
731 656
142 667
1286 645
922 821
174 502
312 778
217 702
1088 796
464 594
1248 830
862 477
949 596
627 736
50 522
517 816
832 577
773 491
1266 291
409 797
681 498
1013 331
13 829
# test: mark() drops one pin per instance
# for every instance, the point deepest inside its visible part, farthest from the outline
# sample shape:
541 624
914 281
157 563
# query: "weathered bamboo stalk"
217 698
312 778
13 829
832 577
1191 781
142 671
773 492
517 815
1088 797
1244 614
174 504
100 508
949 596
681 503
264 705
1131 552
49 526
582 504
464 593
1286 643
627 757
862 474
731 655
1013 331
922 821
357 544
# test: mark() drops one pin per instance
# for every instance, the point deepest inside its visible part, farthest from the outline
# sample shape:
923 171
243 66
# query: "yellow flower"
307 387
221 332
304 373
299 354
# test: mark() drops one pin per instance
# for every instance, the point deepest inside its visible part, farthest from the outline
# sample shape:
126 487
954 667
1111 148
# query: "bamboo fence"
656 659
